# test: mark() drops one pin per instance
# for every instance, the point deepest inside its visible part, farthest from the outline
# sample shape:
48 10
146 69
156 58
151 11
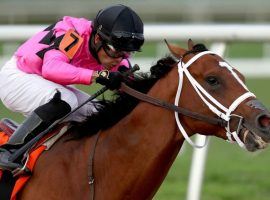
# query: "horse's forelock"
200 47
196 49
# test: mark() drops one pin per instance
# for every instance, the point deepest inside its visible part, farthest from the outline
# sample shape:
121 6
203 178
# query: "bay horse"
125 150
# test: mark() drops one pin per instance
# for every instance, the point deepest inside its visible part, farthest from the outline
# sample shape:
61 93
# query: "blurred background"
230 172
191 11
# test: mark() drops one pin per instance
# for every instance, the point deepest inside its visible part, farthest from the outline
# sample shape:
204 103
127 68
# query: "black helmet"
121 27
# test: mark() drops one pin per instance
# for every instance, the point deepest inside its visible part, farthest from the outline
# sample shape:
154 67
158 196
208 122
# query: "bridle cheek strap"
215 106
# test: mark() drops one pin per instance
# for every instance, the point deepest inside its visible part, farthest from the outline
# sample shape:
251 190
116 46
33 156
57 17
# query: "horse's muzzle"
255 132
263 125
259 124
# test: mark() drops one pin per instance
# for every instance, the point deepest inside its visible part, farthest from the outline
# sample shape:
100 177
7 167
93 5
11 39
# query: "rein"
172 107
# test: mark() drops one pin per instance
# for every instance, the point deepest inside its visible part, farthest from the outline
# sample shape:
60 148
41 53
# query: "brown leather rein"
144 97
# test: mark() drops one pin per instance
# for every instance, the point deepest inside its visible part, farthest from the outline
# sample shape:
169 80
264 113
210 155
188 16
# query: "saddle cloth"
7 127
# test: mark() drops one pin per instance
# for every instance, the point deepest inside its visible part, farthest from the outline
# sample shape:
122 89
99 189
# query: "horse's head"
212 87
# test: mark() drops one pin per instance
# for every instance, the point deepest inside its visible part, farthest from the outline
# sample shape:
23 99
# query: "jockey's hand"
111 80
123 69
128 75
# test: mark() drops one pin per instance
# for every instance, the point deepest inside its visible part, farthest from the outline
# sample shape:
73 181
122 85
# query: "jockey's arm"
56 68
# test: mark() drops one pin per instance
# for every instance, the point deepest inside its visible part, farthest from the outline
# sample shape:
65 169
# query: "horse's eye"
212 80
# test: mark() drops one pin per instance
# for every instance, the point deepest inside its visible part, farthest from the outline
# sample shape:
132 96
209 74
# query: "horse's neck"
140 149
131 159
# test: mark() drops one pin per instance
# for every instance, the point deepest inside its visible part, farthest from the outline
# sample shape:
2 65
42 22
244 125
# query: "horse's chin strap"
216 107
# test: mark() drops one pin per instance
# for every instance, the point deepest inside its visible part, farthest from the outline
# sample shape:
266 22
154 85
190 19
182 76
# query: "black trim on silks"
42 52
48 38
55 45
51 26
58 40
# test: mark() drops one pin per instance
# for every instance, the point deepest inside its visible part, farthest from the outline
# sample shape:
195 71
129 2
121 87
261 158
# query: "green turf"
244 50
231 174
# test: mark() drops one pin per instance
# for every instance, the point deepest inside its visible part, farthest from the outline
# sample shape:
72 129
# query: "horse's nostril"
264 120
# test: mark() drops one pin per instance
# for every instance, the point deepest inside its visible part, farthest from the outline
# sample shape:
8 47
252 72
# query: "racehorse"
125 150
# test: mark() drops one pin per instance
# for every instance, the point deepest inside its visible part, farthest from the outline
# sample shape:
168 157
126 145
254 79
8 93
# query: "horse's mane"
109 112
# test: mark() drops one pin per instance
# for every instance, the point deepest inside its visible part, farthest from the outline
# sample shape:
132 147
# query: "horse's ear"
177 51
190 44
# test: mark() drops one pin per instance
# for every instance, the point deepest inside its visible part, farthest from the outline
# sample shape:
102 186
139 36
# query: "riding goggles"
127 41
113 53
123 41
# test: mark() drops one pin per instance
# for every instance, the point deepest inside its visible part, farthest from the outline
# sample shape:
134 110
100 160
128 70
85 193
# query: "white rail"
154 32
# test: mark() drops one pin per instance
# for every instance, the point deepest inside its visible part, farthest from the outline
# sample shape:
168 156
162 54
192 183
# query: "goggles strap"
94 48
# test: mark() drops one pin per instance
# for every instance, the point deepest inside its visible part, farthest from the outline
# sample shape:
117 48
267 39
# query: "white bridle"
215 106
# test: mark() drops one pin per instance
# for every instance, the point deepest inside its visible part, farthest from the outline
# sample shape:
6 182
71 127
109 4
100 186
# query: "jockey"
37 81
